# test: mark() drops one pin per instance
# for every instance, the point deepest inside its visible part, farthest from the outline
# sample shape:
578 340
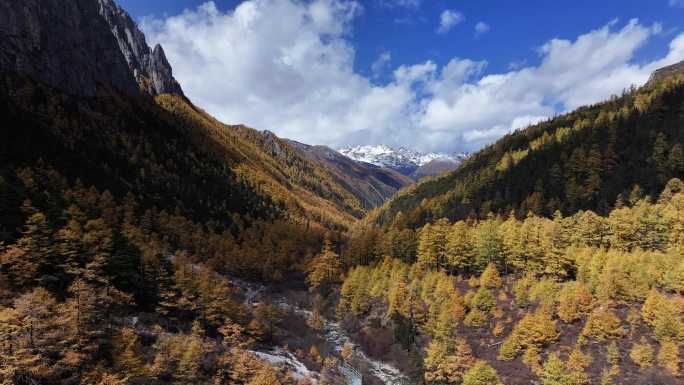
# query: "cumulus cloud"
481 28
571 74
288 66
448 20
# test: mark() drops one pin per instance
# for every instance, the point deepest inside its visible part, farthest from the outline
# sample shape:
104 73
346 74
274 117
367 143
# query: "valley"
144 241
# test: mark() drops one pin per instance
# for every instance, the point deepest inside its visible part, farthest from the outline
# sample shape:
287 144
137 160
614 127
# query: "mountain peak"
150 68
401 159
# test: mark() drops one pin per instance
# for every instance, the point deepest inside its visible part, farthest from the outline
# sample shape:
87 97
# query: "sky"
433 75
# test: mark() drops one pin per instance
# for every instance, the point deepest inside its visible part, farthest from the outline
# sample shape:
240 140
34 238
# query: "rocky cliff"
666 72
66 44
77 44
149 67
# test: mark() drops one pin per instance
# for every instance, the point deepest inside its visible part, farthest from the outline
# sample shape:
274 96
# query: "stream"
332 332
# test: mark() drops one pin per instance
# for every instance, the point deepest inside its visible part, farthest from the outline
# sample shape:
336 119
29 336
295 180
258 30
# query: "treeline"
584 160
570 300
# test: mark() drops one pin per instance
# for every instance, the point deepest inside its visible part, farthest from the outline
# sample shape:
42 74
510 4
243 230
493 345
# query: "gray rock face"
66 44
75 45
666 72
150 68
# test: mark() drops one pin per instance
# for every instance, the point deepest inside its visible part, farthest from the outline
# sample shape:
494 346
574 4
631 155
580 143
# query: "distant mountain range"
406 161
370 183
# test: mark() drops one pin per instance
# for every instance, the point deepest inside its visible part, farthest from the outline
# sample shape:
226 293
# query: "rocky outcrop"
666 72
150 68
66 44
75 45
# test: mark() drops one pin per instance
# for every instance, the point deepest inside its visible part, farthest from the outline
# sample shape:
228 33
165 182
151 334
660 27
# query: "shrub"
498 329
642 354
554 371
607 378
481 374
535 330
668 357
532 359
613 358
446 363
521 291
577 364
502 296
475 318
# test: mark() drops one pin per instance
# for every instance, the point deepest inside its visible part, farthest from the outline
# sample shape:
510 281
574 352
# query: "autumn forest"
143 241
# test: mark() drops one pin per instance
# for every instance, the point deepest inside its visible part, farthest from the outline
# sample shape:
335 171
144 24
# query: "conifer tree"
36 242
642 354
668 357
127 353
325 268
460 254
446 362
574 300
490 278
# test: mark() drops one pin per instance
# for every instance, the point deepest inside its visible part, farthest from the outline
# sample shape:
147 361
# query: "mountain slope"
371 184
582 160
436 167
98 31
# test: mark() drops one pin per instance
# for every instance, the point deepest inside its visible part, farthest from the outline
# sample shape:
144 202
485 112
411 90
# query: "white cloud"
571 74
677 3
281 65
381 63
481 28
288 66
448 20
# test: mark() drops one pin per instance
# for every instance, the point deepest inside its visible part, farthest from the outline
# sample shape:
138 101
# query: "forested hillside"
584 160
574 300
123 212
142 241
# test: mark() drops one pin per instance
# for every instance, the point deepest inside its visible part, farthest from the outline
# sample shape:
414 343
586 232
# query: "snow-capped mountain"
402 159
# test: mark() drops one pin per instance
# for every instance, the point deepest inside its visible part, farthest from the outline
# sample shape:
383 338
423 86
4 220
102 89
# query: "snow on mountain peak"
401 159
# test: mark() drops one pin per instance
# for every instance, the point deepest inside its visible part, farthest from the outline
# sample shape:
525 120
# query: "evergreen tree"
481 374
324 269
459 253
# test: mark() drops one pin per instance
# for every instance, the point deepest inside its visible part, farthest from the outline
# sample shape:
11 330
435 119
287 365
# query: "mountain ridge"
401 159
372 184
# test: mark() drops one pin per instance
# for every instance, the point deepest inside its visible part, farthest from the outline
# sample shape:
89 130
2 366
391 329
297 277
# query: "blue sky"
396 54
